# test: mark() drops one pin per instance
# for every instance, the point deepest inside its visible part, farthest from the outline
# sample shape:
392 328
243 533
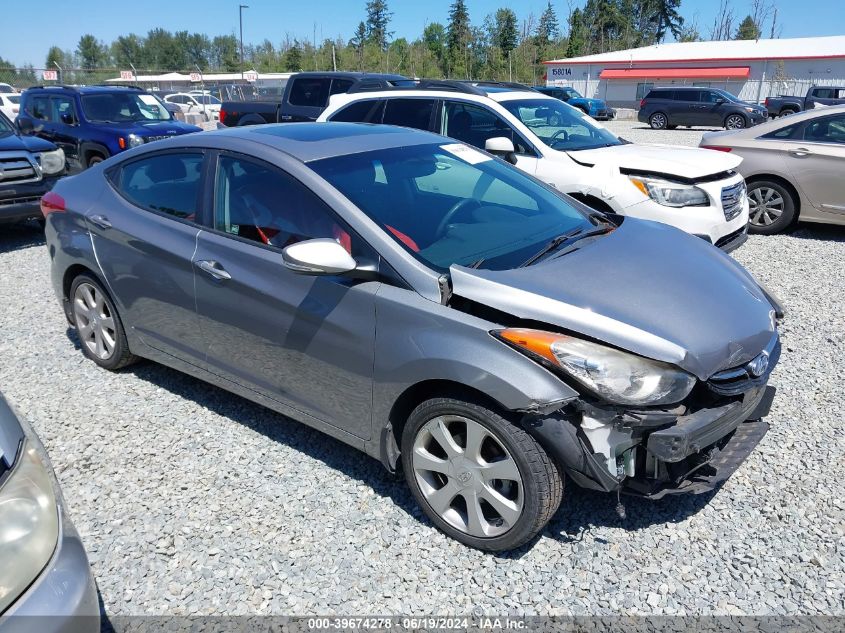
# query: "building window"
643 89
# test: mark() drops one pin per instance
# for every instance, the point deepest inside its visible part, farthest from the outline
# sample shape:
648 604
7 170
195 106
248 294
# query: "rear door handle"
101 221
801 152
213 268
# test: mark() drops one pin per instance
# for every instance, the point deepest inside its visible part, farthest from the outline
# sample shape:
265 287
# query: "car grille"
18 168
150 139
733 199
738 380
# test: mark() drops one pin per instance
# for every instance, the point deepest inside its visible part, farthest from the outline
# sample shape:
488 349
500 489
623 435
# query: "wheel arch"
88 148
783 182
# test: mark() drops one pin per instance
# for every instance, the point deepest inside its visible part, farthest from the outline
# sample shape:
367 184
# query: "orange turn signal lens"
639 184
536 341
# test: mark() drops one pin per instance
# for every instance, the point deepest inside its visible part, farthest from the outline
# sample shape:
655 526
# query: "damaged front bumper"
658 453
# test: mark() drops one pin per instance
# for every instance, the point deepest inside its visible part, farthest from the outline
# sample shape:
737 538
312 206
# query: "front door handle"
101 221
800 152
213 268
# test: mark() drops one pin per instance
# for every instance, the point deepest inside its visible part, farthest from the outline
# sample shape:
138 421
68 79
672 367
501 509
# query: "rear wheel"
98 325
481 479
771 207
787 112
735 122
658 121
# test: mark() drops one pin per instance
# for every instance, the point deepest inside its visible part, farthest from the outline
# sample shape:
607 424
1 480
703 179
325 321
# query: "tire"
735 122
787 112
771 207
658 121
509 511
93 159
98 325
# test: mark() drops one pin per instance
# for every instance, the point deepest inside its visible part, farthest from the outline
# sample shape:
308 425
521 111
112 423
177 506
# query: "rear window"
310 92
414 113
368 111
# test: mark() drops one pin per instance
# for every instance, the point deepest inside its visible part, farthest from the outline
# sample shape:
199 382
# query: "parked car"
29 167
204 104
9 104
7 89
596 108
305 97
45 578
697 192
428 304
670 107
91 123
821 95
794 168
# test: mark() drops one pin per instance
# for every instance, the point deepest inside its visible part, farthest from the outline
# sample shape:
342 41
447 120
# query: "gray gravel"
192 500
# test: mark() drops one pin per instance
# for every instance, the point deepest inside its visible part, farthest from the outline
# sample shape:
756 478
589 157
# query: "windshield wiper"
569 239
477 263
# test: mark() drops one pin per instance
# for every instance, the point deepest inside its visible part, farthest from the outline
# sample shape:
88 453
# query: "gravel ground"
192 500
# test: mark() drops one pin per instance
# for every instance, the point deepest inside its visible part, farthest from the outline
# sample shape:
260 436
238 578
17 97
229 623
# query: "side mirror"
67 118
322 256
24 125
720 100
503 147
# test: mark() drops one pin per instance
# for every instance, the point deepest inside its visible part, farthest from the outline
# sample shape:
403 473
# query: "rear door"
687 108
303 341
144 229
817 163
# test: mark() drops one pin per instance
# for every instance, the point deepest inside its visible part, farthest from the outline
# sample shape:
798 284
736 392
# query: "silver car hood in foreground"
647 288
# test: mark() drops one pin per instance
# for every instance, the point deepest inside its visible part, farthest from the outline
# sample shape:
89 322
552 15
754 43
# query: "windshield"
572 93
14 98
207 99
6 127
730 97
120 107
560 126
451 204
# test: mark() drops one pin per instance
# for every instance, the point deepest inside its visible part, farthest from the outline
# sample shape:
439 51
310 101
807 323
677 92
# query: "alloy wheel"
765 206
735 122
467 476
658 121
94 321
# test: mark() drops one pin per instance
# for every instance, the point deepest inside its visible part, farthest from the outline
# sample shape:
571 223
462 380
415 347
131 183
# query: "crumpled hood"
16 143
687 162
646 287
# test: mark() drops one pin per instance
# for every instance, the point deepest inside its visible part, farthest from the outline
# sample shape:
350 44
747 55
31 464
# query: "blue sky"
61 22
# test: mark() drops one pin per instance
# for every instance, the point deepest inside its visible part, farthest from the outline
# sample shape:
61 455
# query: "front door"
304 341
818 162
65 122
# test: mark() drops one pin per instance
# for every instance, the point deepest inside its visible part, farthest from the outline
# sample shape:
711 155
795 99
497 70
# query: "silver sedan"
793 167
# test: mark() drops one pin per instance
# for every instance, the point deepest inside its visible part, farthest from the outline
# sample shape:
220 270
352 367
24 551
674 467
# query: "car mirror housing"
720 100
25 125
322 256
503 147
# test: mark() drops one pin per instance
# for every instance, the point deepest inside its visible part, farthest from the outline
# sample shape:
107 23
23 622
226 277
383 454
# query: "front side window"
262 204
165 183
559 126
829 129
474 124
709 96
451 204
121 107
415 113
6 127
63 111
369 111
310 92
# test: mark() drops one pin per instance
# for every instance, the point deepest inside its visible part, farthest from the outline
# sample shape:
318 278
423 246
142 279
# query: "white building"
750 69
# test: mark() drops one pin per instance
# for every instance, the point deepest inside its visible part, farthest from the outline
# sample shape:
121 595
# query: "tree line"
501 45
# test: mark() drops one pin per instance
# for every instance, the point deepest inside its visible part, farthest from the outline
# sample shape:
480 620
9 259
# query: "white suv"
696 190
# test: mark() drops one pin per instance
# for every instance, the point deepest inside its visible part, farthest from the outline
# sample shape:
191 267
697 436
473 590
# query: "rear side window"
783 133
660 94
824 93
414 113
310 92
39 108
687 95
165 183
369 111
341 85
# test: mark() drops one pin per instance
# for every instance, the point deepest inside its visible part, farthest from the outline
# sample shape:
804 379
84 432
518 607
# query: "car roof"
494 93
88 89
781 122
314 141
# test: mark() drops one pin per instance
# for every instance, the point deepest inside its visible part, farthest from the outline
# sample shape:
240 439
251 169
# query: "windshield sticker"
465 153
148 99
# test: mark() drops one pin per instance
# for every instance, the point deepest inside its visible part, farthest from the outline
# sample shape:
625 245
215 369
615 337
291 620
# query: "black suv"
670 107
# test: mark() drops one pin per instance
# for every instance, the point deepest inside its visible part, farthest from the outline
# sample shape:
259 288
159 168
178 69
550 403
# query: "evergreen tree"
55 56
668 18
434 38
457 36
505 33
575 46
91 52
748 30
548 29
378 17
293 58
358 41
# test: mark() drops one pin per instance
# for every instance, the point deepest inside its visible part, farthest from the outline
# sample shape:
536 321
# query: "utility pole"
241 8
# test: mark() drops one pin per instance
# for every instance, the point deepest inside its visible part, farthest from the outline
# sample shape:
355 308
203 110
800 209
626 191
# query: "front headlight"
135 140
671 194
52 162
29 524
616 376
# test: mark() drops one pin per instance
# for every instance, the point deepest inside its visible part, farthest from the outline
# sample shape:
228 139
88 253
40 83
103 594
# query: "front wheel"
735 122
481 479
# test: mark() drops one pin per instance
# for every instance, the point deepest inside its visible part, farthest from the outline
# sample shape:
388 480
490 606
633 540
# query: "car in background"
205 104
695 191
29 167
426 303
45 579
305 96
9 104
596 108
816 95
92 123
794 168
667 108
7 89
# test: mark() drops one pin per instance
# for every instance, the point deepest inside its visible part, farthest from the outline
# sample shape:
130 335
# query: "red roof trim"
669 73
703 59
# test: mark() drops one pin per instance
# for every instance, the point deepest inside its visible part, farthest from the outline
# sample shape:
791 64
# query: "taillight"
718 148
766 102
222 115
52 202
